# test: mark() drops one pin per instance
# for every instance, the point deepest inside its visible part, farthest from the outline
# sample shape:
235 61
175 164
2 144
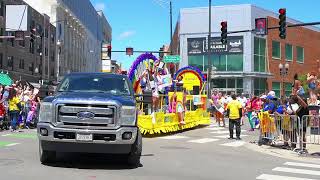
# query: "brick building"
248 63
28 60
299 49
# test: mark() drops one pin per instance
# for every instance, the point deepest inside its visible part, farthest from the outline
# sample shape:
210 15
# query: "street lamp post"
209 62
58 59
284 69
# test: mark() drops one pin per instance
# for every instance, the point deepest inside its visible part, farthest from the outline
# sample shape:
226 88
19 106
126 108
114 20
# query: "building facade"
79 31
26 59
245 64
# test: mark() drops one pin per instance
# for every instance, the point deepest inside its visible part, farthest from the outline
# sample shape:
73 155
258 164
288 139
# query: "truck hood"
90 98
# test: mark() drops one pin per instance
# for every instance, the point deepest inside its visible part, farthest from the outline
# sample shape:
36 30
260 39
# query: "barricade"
310 131
277 128
287 130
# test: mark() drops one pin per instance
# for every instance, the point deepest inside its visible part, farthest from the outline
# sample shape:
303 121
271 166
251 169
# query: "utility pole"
171 38
209 50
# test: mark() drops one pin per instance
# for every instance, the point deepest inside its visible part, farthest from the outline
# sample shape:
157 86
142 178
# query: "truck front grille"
104 115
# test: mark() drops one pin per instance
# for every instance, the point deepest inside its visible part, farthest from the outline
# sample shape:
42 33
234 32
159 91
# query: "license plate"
84 137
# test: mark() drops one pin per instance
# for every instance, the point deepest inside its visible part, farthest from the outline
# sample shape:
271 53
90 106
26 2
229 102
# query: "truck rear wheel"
46 156
136 150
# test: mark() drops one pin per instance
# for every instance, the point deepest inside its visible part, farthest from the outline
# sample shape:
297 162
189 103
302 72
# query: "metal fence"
289 131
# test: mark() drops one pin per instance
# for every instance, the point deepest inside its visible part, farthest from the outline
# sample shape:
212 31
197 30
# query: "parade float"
149 73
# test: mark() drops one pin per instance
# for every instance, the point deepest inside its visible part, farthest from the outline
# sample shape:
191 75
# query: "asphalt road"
198 154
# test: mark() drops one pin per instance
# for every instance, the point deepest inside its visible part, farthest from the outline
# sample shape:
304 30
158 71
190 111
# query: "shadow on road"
92 161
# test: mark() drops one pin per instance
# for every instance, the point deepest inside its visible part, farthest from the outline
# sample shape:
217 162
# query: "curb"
282 153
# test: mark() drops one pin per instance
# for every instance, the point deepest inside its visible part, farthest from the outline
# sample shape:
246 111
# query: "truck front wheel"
46 156
136 150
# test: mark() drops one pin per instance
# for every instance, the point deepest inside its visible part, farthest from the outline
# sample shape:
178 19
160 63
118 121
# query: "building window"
21 64
46 51
10 62
260 86
288 89
289 52
276 50
300 54
276 87
228 85
259 54
52 58
196 61
1 60
1 34
2 8
52 72
46 32
52 38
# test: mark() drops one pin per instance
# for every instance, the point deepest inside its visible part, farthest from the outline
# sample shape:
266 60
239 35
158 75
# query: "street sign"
172 59
261 26
129 51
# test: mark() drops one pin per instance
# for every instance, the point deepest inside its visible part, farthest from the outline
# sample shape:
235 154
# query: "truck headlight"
46 112
128 115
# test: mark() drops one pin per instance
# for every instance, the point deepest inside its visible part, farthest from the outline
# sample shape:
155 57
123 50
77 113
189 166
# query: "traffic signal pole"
209 61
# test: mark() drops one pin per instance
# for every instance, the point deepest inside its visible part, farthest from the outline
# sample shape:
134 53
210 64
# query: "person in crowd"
269 105
243 100
220 106
312 84
234 112
13 108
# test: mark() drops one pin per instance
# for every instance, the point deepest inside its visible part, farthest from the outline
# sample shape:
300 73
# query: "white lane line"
297 171
173 137
234 144
204 140
302 164
12 144
275 177
6 135
227 136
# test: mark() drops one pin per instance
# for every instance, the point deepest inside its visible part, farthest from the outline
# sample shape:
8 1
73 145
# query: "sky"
145 24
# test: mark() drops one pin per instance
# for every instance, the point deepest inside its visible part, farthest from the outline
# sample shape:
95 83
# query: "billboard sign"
198 46
16 18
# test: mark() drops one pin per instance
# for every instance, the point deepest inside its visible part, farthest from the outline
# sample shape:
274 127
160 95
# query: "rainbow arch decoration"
192 76
143 62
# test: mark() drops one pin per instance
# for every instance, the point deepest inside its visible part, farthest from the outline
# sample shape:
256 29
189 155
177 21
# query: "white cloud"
100 6
126 34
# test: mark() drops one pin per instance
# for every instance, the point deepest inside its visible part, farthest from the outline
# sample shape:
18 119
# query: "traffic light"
109 51
33 34
161 54
282 23
224 32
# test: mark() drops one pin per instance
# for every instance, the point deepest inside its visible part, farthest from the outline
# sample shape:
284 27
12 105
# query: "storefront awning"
5 79
241 75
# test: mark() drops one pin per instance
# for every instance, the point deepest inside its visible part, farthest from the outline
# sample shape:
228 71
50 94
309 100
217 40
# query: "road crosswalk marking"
227 136
174 137
204 140
12 144
276 177
4 135
297 171
216 128
224 132
234 144
302 164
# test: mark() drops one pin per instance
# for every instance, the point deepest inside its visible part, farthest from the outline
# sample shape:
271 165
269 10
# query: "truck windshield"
115 85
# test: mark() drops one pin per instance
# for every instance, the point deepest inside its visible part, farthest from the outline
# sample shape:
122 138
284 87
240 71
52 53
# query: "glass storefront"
232 62
228 86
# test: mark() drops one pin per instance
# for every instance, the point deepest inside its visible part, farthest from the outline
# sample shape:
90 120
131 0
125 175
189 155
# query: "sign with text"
104 51
198 46
171 59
